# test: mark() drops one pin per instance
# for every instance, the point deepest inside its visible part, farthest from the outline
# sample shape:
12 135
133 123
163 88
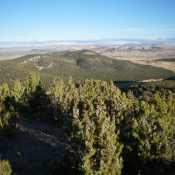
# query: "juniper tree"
40 105
32 82
148 133
7 111
4 90
94 146
62 94
17 90
30 87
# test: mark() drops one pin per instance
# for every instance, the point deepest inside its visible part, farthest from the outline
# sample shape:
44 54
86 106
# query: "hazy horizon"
165 42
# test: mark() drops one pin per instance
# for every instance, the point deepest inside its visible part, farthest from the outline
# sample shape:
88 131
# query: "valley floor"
153 62
156 62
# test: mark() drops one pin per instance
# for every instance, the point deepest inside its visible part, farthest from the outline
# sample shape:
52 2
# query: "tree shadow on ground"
36 149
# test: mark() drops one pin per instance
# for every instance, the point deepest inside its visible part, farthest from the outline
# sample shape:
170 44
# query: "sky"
43 20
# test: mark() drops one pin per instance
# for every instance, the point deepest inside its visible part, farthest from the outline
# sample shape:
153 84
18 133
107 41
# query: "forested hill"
80 65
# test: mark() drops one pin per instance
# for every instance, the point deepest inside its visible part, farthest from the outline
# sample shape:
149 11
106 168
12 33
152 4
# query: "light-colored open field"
143 54
150 61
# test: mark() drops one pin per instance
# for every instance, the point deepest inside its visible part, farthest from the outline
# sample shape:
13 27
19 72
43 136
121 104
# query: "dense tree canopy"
106 131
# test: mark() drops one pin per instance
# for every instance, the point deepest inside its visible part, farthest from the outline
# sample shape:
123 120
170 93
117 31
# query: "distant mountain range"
170 41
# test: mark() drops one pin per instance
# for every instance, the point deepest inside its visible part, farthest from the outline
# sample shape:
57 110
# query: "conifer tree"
148 133
94 146
17 90
40 104
7 111
32 82
4 90
62 94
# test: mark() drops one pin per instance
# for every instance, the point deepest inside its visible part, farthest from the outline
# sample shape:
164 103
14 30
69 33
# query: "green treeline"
106 131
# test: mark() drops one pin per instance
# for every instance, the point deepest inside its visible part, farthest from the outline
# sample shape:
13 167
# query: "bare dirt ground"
9 57
35 150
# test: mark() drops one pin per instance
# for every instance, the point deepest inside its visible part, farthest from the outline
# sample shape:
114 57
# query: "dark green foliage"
33 102
139 89
32 82
17 90
94 146
171 78
62 93
80 65
148 132
7 117
167 60
106 131
39 104
7 111
92 128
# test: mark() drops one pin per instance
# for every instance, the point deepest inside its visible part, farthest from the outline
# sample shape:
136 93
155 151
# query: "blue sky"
40 20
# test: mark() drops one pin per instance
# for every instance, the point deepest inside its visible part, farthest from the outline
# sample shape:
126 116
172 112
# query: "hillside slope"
80 65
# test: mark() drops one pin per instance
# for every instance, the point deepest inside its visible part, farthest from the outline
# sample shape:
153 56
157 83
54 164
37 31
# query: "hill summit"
80 65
